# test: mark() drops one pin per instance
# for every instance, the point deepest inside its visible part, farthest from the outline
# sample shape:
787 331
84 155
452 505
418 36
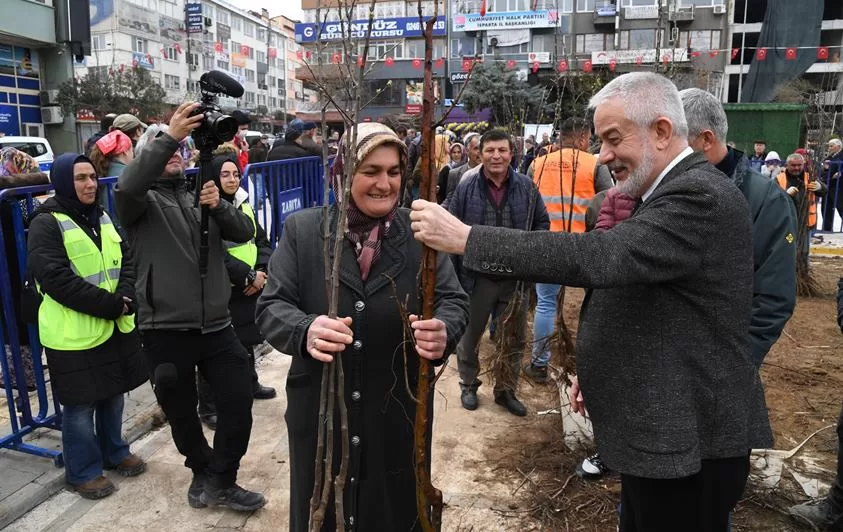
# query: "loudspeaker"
73 26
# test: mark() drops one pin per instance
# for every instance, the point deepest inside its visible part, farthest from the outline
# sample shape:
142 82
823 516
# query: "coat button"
353 480
355 440
355 395
359 306
357 345
485 266
351 520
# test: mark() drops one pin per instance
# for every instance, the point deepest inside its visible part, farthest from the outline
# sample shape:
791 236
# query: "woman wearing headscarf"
379 269
246 264
112 153
457 153
440 167
86 324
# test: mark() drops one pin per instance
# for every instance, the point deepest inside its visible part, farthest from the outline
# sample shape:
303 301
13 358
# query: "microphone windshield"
218 81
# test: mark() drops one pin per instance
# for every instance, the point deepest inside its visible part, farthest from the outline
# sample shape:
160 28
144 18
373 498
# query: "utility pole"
743 47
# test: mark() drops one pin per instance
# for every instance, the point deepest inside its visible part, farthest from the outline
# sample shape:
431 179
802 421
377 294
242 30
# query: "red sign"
244 50
790 54
761 54
535 67
440 62
563 66
413 109
466 65
218 47
417 63
389 61
336 58
735 52
272 53
587 66
510 63
822 52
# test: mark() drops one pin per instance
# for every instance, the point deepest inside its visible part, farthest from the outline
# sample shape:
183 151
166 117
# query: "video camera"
216 127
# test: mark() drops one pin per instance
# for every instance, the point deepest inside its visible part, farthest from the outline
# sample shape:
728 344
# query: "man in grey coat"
662 350
183 317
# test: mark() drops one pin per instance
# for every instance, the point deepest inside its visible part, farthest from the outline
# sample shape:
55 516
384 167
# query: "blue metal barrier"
290 185
830 208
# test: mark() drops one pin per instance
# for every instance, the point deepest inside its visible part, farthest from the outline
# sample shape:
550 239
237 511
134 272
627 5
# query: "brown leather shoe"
95 489
131 466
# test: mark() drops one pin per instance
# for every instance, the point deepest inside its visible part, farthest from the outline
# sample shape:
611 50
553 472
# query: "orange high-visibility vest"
812 201
565 198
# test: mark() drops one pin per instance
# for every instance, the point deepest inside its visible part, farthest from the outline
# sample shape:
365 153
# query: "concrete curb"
45 486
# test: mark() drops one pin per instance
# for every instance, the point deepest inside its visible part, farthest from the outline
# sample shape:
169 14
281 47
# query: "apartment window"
235 47
98 42
140 46
193 59
171 83
237 71
261 56
208 63
273 102
382 49
508 50
270 80
638 39
261 34
237 24
699 40
170 54
249 97
170 9
222 64
152 5
223 17
591 42
249 28
291 45
208 10
501 6
192 86
261 99
465 47
699 3
639 3
585 5
273 40
545 42
279 63
250 75
251 53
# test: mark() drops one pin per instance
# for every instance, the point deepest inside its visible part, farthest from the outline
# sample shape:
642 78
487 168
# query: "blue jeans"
543 322
88 445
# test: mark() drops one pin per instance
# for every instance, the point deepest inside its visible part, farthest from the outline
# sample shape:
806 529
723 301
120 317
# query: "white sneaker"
592 467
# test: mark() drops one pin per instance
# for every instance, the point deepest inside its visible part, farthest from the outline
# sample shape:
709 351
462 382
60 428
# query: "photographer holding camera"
183 306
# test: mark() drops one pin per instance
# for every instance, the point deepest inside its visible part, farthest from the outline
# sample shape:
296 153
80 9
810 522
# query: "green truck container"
780 124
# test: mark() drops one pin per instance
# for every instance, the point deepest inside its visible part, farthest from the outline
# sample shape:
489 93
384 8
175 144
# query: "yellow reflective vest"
247 251
65 329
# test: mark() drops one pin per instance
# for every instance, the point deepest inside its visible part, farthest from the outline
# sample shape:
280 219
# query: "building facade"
177 41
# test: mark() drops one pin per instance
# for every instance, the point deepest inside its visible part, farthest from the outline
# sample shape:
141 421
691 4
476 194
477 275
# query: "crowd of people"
686 247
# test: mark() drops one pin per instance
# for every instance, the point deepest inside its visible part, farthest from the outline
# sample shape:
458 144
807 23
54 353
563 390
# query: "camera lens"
223 126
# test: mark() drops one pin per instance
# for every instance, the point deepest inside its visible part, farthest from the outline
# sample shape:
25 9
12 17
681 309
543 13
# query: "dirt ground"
803 378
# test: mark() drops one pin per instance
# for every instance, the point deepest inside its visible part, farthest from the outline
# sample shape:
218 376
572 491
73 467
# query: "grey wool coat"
380 492
663 351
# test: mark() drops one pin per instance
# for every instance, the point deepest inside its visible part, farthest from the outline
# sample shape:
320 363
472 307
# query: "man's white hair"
645 97
795 157
836 142
704 112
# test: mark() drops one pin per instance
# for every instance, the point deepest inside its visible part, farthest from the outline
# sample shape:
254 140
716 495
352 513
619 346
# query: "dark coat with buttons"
380 492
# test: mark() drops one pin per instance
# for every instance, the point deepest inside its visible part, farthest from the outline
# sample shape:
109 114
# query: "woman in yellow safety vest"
86 324
246 264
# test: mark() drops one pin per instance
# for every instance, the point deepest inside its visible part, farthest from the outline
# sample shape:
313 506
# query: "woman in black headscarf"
86 324
246 264
379 269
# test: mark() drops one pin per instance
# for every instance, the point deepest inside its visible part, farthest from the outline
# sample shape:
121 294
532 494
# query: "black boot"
468 396
233 497
194 492
263 392
508 400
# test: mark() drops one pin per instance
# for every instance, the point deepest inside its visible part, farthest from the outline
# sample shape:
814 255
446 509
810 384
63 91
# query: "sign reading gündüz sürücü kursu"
384 28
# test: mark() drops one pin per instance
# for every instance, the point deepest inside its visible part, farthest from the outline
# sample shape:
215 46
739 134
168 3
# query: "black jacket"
380 410
774 230
663 353
241 306
287 150
109 369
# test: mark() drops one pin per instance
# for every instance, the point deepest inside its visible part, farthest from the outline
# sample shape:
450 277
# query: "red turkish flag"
389 61
164 53
272 53
735 52
790 54
761 54
417 63
535 67
360 61
639 60
563 66
510 63
178 48
335 59
483 8
218 47
308 54
714 53
440 62
695 53
587 66
466 65
665 59
613 64
299 54
244 50
822 52
150 59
